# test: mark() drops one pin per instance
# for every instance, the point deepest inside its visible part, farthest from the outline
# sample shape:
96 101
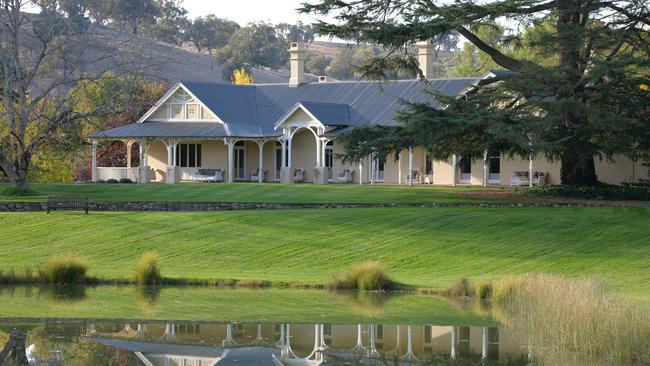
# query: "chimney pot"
297 51
322 79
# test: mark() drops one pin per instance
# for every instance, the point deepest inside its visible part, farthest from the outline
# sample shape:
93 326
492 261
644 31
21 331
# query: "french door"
240 161
329 159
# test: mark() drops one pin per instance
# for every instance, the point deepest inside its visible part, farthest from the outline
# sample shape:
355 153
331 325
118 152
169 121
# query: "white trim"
168 95
293 110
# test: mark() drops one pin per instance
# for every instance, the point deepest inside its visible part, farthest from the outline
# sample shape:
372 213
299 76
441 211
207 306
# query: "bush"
64 269
462 288
626 191
365 276
505 290
147 270
483 290
126 181
100 181
111 181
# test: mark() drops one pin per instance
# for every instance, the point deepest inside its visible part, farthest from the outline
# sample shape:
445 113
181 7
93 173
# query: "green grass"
421 247
251 192
242 305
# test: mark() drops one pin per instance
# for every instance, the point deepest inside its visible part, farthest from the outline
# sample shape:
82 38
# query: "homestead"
287 133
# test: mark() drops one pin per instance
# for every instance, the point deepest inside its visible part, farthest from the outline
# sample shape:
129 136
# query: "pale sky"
246 11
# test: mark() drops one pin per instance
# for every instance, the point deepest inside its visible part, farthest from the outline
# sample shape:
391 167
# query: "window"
176 111
188 155
192 111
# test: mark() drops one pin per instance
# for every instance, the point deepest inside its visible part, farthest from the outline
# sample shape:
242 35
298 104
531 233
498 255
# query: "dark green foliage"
100 181
639 192
579 90
112 181
126 181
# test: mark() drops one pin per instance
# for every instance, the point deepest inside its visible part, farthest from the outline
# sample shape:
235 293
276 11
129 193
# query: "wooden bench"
67 203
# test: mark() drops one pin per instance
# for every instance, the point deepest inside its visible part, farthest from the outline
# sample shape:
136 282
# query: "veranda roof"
203 130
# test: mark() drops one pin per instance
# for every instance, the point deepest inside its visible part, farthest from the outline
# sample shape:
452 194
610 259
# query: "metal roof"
329 114
165 129
252 110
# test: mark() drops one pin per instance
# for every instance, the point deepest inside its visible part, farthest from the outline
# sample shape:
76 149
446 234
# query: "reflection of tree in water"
437 359
74 350
366 304
147 297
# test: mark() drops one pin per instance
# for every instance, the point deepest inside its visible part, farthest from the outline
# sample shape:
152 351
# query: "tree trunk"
21 181
578 169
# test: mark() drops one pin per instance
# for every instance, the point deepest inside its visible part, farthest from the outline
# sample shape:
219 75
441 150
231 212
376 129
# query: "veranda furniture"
345 176
521 178
298 175
67 203
204 175
415 175
255 176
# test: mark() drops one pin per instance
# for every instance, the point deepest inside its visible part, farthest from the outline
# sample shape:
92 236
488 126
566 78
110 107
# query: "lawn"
252 192
423 247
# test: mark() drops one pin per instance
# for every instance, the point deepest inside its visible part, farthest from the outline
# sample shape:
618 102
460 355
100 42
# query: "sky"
246 11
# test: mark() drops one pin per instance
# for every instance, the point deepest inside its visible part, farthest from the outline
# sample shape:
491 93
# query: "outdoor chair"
255 176
345 176
416 176
521 178
298 175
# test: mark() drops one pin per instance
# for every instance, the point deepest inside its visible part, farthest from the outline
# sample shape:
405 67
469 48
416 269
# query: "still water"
205 326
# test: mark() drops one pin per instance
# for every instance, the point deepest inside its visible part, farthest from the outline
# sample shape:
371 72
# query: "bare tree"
42 58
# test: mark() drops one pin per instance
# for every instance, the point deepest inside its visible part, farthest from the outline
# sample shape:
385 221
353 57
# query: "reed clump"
577 319
147 270
462 289
64 269
364 276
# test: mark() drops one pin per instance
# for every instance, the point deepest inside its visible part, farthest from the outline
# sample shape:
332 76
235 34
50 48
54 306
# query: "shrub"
147 270
111 181
64 269
626 191
365 276
126 181
483 290
462 288
505 290
101 181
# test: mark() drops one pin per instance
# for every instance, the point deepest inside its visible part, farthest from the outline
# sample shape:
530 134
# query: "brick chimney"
297 52
425 57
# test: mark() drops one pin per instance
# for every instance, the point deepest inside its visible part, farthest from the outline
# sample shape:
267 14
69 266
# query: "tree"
558 110
133 13
172 26
210 33
242 77
317 63
256 44
37 71
341 66
298 32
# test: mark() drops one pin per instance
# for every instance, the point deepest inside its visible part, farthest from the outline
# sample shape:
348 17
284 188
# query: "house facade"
287 133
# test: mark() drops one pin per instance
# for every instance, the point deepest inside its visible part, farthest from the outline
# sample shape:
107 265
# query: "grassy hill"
421 247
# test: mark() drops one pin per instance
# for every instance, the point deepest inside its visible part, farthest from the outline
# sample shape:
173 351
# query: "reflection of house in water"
302 344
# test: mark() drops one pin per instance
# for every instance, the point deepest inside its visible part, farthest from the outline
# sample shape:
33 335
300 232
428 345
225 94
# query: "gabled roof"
253 110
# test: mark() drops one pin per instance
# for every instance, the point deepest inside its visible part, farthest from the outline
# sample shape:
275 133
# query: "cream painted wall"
158 160
303 153
620 170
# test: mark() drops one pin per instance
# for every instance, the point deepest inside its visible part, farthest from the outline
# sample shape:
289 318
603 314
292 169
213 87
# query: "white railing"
118 173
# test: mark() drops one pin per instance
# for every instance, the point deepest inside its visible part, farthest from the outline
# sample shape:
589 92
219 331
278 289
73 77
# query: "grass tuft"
64 269
364 276
483 290
147 270
462 288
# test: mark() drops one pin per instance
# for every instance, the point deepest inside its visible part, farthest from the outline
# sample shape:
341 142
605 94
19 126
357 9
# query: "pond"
109 325
193 326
